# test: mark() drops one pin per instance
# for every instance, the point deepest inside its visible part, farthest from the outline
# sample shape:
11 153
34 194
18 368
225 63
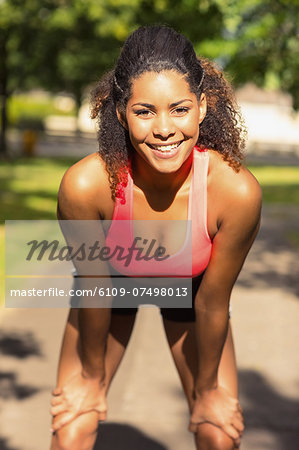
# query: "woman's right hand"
219 408
78 396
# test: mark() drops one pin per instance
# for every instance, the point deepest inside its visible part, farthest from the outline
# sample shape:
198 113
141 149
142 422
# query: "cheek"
138 131
190 127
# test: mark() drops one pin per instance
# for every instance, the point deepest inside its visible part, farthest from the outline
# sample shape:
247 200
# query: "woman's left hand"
219 408
78 396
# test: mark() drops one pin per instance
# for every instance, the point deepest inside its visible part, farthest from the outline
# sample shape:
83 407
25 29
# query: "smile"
166 147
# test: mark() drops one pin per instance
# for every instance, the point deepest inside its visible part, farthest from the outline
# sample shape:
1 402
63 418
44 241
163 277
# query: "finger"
239 426
240 416
239 420
239 408
102 416
231 431
58 409
65 419
193 427
56 400
57 391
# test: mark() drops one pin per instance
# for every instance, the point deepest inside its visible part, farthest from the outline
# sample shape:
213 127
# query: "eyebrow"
173 105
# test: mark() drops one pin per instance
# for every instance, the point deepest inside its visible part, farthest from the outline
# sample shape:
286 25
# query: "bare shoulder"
239 191
84 191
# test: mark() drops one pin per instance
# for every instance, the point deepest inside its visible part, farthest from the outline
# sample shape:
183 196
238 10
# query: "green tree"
81 40
200 21
19 26
266 49
67 44
58 44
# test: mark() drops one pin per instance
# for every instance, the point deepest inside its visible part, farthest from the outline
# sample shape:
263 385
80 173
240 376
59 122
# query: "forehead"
159 85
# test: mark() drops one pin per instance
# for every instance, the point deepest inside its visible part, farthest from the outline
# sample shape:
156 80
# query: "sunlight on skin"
44 175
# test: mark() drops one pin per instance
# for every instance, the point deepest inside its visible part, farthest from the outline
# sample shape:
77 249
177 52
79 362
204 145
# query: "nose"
163 126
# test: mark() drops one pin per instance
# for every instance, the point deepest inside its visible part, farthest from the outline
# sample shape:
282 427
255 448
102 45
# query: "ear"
122 118
202 107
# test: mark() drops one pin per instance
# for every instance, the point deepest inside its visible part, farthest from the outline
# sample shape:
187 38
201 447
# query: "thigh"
70 362
182 341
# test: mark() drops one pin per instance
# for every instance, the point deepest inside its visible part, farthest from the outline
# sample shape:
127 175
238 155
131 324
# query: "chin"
168 167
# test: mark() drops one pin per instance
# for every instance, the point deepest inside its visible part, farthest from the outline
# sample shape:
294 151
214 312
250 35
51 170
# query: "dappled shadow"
273 260
5 446
124 437
11 389
20 345
267 409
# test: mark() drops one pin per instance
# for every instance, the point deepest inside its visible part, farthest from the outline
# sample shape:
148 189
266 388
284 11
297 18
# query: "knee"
69 438
74 437
209 437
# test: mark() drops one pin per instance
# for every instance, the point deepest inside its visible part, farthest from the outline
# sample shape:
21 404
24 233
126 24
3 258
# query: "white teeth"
166 148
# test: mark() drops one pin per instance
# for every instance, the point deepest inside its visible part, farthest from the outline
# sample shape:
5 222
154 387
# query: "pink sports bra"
194 255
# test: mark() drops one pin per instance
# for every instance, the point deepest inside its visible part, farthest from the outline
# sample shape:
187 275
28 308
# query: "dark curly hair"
158 48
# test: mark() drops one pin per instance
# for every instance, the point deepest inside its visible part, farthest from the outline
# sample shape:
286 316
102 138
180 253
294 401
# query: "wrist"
93 373
203 387
201 394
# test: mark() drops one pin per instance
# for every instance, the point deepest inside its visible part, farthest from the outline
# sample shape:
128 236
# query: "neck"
149 179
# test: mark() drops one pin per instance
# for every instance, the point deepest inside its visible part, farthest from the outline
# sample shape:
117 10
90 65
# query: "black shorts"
174 314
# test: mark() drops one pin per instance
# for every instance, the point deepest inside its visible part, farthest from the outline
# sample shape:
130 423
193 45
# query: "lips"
166 151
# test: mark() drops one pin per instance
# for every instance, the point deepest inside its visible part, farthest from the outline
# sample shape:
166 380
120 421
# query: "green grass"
293 237
29 187
28 190
279 184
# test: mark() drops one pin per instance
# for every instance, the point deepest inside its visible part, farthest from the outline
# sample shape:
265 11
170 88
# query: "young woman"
170 147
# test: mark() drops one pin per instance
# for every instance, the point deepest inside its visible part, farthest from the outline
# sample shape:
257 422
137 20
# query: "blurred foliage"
267 44
26 106
60 44
66 45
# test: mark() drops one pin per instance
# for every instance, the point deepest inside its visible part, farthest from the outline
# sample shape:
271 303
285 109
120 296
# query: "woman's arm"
77 201
239 224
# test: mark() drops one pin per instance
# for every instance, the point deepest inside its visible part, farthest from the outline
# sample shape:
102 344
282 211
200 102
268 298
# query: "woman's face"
162 118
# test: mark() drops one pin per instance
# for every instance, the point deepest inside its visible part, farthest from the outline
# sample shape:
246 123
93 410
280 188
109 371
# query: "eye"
181 110
143 112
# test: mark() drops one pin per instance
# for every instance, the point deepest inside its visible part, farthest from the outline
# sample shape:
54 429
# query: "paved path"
147 410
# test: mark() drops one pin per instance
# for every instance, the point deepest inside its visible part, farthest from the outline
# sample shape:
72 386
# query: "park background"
51 54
